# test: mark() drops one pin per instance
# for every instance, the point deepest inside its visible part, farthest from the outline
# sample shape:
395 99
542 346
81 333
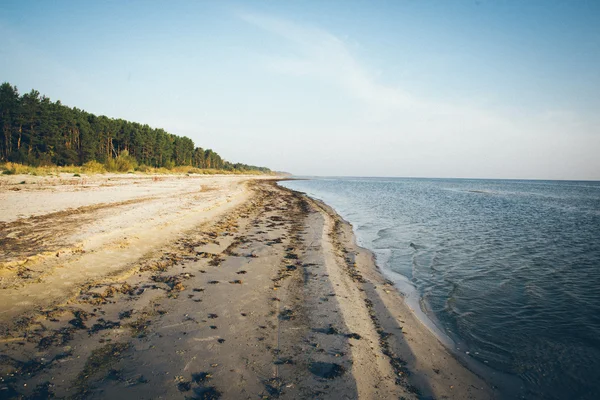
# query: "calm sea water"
508 270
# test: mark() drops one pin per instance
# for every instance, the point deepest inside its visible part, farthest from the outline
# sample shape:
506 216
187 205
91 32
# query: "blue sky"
484 89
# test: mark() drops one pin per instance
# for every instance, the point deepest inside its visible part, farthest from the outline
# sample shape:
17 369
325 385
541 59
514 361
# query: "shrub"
161 170
143 168
180 169
123 163
93 167
169 164
16 169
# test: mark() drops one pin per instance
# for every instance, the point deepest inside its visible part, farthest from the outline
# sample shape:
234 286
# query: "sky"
462 89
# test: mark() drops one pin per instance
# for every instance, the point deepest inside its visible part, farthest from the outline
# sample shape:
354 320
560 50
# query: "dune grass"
117 165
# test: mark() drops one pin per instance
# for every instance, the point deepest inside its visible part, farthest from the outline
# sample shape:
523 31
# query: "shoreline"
396 303
411 301
268 295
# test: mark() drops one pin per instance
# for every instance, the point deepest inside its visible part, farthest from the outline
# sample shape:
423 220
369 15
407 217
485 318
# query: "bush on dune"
93 167
123 163
11 168
143 168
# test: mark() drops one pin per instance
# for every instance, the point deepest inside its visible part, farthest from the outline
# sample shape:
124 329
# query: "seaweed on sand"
99 361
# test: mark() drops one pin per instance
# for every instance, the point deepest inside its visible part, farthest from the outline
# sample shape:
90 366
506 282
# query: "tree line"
36 131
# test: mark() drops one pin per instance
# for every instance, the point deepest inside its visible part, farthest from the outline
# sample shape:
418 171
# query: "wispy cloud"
419 121
323 55
434 127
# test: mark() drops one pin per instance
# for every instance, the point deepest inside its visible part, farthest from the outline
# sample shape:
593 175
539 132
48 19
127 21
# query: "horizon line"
448 178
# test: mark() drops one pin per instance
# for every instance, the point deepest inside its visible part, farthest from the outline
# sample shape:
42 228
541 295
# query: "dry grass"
116 165
10 168
93 167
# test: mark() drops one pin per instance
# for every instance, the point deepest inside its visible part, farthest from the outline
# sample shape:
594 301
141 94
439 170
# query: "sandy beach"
201 287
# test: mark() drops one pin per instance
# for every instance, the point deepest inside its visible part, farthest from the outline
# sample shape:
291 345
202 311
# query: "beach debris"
184 386
178 287
206 393
287 314
284 360
115 375
99 360
59 337
216 261
187 317
326 370
139 327
274 386
328 331
43 391
174 281
201 377
353 336
102 324
45 342
78 321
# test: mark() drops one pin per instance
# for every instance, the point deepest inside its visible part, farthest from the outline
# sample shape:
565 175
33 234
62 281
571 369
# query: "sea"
505 272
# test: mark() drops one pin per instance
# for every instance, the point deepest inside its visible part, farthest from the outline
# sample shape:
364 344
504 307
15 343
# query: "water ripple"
508 269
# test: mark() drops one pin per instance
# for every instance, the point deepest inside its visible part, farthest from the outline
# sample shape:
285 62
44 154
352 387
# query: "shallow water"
509 270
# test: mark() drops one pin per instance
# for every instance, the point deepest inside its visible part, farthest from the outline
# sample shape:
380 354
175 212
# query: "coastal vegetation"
38 133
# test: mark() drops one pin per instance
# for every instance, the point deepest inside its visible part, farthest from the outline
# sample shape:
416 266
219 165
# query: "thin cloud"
327 57
448 132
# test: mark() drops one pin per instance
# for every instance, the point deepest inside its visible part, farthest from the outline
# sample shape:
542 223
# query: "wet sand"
202 288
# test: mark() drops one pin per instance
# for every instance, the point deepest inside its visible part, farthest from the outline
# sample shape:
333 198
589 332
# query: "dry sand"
201 287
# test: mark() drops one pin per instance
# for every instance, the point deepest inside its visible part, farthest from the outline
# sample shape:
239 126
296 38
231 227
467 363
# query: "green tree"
34 130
